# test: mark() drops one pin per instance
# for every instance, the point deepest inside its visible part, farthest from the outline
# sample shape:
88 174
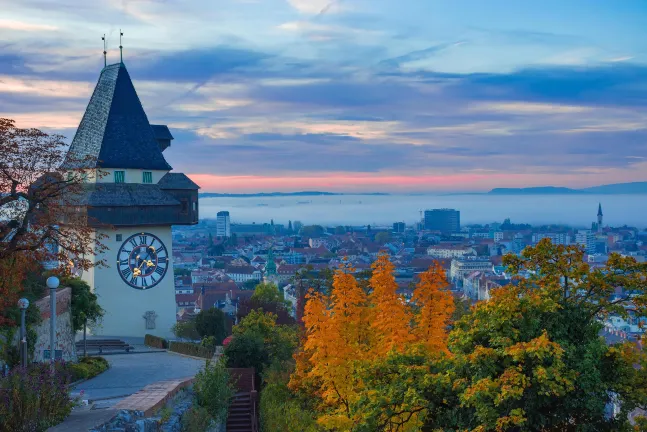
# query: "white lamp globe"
52 282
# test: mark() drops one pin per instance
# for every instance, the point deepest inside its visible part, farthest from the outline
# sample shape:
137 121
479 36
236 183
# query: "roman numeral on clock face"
142 261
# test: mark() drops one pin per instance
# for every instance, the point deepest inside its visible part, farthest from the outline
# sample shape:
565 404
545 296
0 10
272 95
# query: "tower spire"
105 61
121 48
599 217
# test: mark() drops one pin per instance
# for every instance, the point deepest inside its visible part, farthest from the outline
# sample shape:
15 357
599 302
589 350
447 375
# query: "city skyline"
352 96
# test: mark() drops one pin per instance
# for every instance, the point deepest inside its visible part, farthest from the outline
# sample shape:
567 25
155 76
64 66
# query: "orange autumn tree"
390 318
436 307
350 330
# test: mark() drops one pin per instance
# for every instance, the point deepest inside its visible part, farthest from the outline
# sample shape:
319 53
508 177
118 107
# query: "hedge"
87 367
155 341
192 349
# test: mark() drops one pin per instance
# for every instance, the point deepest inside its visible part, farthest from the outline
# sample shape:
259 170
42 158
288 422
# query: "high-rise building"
443 220
586 238
398 227
555 238
223 227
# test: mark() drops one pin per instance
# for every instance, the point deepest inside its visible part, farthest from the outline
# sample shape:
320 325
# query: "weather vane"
105 61
121 48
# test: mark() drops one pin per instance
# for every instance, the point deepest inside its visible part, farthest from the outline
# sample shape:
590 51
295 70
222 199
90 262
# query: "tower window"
120 176
147 177
119 237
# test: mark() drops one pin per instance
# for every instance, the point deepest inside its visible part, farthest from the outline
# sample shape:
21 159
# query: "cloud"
315 6
24 26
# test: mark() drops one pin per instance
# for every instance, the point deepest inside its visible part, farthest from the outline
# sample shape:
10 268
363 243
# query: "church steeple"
600 216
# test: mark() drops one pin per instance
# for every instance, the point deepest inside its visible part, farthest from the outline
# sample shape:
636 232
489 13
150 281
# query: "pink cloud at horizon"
348 182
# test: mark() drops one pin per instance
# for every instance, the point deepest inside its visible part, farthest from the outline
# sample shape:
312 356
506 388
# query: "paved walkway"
127 375
130 373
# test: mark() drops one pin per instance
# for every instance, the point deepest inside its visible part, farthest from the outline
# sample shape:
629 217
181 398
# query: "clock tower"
132 199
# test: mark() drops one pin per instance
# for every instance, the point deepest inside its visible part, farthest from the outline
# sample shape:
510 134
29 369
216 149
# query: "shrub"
209 342
213 390
196 419
280 409
247 350
211 322
185 330
155 341
34 398
192 349
87 367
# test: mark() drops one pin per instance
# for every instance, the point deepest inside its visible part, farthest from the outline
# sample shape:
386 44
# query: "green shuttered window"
120 176
148 177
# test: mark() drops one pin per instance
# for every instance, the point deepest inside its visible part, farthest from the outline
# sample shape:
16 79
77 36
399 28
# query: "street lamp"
52 284
23 304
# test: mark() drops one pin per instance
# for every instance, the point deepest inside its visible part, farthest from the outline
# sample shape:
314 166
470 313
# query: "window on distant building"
120 176
148 177
185 206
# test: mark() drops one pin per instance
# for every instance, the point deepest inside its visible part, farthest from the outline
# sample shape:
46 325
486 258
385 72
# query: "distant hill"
278 194
619 188
612 189
545 190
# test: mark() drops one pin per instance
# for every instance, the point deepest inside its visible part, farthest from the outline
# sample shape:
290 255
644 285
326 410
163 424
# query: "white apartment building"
464 266
241 274
223 226
449 251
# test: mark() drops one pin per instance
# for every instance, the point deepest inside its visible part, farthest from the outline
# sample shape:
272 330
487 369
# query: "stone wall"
64 330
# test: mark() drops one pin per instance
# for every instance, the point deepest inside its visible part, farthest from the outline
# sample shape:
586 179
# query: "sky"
352 95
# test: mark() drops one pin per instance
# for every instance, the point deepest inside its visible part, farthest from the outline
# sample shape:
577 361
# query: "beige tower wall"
126 306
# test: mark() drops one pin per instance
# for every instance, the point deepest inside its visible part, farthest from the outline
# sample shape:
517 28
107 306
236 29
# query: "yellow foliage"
349 330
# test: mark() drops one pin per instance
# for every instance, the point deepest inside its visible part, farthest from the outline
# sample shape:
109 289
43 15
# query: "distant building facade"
463 266
555 238
586 238
443 220
223 226
398 227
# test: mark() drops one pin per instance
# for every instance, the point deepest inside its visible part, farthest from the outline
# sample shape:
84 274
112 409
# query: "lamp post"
52 284
23 304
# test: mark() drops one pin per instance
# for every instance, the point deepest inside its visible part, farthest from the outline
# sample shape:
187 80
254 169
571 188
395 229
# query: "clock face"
142 261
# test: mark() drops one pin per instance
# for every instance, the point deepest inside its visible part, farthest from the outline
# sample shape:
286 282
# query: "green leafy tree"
185 330
382 237
85 304
340 230
211 322
269 293
247 350
532 358
277 342
312 231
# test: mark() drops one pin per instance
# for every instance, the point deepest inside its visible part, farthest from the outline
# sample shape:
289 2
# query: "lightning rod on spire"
105 61
121 48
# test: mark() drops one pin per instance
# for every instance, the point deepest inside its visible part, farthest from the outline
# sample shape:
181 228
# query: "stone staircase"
241 413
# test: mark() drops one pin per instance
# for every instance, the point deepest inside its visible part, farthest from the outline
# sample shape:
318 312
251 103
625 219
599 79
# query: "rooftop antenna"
121 48
105 61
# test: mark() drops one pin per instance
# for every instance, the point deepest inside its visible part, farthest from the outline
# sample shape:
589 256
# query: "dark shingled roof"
114 131
162 132
177 181
127 194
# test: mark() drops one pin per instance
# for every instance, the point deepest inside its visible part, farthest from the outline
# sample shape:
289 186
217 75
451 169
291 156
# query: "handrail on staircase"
254 396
